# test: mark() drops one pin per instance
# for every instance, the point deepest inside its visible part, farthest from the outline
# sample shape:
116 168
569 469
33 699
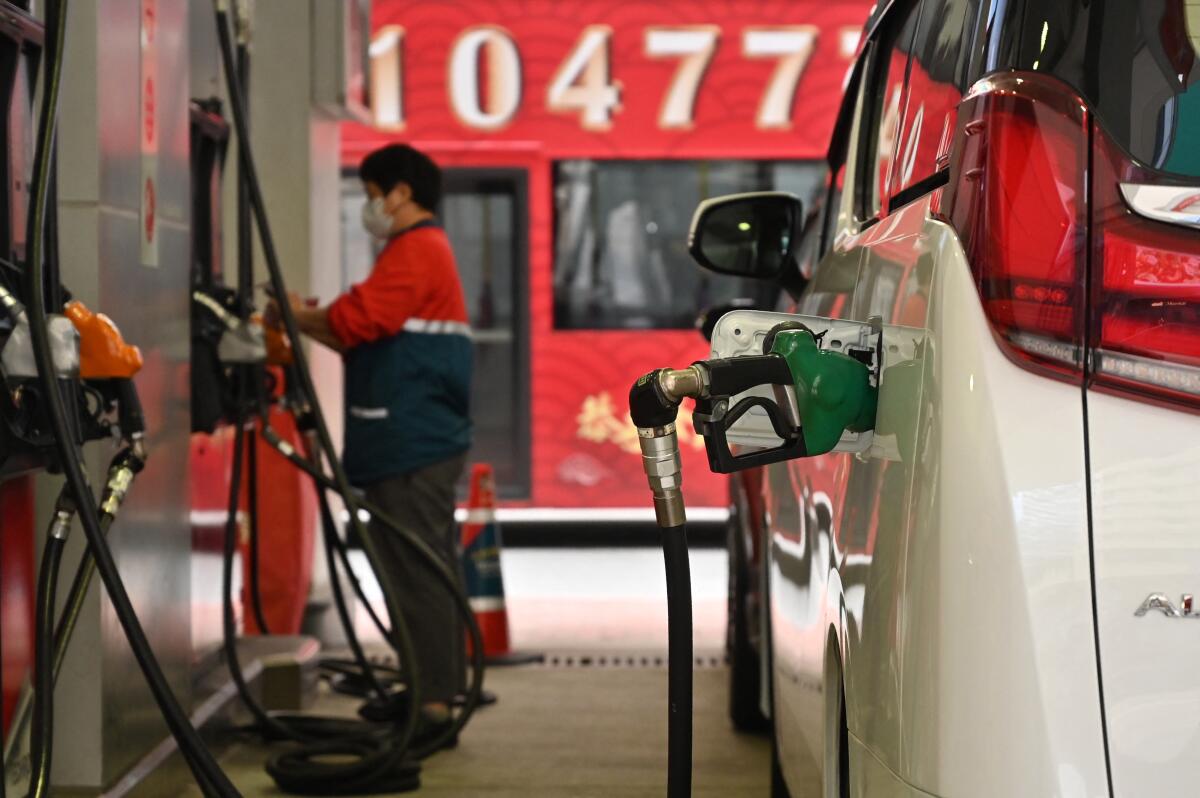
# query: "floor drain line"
623 660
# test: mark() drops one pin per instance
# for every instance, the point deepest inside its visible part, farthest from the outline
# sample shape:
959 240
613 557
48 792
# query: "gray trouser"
422 502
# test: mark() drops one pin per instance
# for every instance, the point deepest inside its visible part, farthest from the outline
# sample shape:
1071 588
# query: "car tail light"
1020 158
1115 300
1145 326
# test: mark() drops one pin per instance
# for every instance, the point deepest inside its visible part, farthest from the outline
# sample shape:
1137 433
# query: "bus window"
620 259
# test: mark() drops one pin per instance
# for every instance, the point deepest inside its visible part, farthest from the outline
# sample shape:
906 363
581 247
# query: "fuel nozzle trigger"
716 413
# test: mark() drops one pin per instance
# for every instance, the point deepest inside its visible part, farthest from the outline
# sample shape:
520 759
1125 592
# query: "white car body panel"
954 582
1145 464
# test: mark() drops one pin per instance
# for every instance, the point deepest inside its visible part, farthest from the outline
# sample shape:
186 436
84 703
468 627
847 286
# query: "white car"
995 599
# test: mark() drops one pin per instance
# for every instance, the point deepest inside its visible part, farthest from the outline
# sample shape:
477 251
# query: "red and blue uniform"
408 359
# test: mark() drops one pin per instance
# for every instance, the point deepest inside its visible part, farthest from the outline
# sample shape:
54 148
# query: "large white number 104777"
583 82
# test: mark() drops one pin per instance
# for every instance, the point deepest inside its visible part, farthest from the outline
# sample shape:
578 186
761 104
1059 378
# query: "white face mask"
375 218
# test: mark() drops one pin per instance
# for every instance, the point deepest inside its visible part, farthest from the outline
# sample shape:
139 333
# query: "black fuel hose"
679 659
342 552
255 565
399 639
208 774
43 672
447 577
131 461
332 542
245 263
127 461
372 765
76 597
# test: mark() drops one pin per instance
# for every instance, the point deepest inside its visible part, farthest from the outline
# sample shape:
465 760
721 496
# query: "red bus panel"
533 84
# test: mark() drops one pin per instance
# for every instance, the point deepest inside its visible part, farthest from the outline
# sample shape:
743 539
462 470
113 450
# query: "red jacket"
413 285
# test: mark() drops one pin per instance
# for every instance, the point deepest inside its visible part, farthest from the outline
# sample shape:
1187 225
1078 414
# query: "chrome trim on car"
1171 204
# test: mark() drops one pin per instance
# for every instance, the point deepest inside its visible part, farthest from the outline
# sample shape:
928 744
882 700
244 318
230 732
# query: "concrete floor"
591 731
563 732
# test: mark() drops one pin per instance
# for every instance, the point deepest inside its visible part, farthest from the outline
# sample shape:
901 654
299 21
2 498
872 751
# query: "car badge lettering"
1161 603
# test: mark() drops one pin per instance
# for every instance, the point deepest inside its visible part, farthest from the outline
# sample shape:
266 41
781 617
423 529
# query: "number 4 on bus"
584 81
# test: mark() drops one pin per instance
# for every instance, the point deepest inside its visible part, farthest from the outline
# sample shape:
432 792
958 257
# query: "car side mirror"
746 235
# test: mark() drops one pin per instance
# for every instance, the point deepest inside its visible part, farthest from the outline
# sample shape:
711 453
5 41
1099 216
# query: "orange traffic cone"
481 569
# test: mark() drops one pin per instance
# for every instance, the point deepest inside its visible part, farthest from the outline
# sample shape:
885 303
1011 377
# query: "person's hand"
271 314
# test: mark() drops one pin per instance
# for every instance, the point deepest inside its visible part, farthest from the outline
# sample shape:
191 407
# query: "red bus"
577 138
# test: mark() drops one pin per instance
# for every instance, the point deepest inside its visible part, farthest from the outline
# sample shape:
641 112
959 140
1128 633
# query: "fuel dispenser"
777 387
67 379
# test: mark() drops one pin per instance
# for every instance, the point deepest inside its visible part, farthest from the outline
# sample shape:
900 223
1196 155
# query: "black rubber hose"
448 578
245 276
245 241
204 767
400 639
679 659
129 462
66 623
374 765
329 535
342 552
75 600
43 671
255 566
229 623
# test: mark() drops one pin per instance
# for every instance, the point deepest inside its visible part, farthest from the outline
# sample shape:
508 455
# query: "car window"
839 154
1136 63
818 298
885 89
936 74
808 251
837 186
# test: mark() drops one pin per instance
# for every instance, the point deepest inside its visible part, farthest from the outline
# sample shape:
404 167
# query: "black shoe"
430 735
381 711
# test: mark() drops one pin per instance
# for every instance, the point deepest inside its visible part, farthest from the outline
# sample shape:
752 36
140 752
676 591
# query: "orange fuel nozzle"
103 353
279 346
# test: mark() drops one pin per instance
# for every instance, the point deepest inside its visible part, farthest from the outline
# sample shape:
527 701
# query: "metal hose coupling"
654 405
11 305
664 470
125 466
64 513
60 527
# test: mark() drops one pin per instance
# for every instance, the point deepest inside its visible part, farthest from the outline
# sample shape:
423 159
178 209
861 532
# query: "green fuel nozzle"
817 396
835 392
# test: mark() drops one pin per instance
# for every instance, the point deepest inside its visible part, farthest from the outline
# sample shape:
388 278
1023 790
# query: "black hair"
400 163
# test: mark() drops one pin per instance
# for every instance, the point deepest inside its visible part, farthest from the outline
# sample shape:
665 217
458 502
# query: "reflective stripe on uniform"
436 326
369 413
487 603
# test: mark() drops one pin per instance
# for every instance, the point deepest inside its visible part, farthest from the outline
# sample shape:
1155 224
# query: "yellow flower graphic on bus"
599 423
